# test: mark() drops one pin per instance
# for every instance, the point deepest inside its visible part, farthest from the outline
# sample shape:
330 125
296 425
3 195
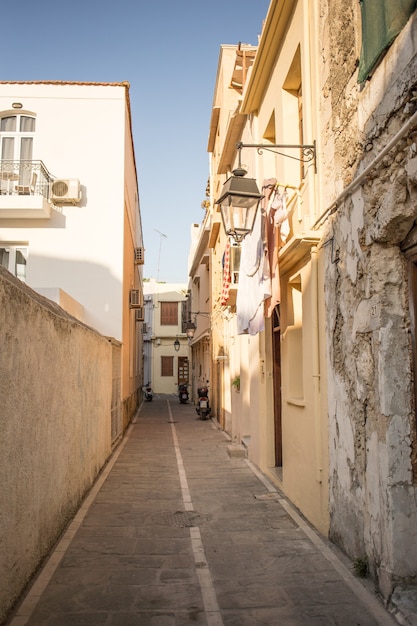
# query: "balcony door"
16 148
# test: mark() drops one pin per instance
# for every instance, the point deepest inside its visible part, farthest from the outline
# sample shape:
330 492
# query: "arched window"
16 137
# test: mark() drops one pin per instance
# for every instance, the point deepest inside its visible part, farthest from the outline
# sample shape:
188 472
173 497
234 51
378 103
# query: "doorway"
276 360
183 370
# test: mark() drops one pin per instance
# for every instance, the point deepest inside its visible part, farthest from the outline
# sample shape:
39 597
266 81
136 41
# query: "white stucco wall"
80 133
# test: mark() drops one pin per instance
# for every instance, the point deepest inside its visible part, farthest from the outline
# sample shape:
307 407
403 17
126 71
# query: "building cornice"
214 121
233 135
272 37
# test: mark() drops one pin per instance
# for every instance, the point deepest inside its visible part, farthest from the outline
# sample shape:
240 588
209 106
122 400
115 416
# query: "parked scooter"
148 393
203 405
183 393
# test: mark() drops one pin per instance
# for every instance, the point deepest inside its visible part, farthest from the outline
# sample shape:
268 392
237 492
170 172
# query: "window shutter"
169 313
167 365
382 21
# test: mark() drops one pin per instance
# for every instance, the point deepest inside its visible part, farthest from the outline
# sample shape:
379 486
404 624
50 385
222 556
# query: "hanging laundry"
277 231
254 275
279 204
226 275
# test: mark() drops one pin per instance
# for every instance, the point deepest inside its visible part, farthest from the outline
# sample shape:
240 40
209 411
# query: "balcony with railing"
24 190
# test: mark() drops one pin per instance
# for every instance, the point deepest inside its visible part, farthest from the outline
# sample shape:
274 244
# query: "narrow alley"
177 532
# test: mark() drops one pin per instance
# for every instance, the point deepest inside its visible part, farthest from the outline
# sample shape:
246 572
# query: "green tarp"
382 20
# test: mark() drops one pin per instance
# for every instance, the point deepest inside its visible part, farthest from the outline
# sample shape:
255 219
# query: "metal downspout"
316 361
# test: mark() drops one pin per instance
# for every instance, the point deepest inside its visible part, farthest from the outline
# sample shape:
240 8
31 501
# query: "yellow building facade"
267 341
312 336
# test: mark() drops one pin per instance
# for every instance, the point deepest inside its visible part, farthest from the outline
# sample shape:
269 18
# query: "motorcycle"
148 392
183 393
203 405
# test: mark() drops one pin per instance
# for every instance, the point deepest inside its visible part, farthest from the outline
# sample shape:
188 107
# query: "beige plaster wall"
286 66
303 387
55 397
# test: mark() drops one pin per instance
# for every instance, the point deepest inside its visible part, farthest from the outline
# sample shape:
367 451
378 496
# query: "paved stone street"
177 532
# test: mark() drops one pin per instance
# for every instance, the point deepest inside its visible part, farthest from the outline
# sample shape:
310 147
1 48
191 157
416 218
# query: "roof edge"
64 82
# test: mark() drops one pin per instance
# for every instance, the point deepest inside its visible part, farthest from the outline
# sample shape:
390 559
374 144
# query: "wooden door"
183 370
276 357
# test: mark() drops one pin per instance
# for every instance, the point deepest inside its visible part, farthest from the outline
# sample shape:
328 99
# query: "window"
14 259
295 340
16 137
234 264
169 313
16 148
382 21
293 105
167 366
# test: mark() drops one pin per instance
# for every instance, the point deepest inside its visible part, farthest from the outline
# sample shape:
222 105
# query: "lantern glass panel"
238 214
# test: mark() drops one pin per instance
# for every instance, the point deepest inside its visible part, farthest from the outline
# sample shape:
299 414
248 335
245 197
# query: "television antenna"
159 254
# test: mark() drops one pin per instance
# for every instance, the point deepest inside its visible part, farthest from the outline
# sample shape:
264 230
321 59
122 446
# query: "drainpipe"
316 361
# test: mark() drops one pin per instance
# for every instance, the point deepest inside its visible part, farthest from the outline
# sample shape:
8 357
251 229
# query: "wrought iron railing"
24 178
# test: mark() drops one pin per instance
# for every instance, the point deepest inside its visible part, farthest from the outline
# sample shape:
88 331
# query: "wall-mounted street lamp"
240 196
190 327
177 345
239 203
190 330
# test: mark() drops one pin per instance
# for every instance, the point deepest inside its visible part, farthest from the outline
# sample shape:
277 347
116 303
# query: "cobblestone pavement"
176 532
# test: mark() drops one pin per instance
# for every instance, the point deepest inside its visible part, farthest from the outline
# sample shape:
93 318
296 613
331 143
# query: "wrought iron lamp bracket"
308 151
199 313
190 326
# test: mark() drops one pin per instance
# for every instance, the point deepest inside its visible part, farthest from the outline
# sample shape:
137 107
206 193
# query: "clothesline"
286 186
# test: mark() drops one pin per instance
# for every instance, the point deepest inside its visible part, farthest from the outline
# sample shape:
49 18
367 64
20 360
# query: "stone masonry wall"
55 400
373 497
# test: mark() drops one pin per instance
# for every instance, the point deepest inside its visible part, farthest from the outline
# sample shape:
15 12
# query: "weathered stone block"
411 169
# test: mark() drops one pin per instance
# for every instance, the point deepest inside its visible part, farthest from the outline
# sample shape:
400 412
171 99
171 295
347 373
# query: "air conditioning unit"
135 299
65 190
139 256
139 314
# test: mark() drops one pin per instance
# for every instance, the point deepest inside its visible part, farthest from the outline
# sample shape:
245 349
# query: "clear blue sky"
168 51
